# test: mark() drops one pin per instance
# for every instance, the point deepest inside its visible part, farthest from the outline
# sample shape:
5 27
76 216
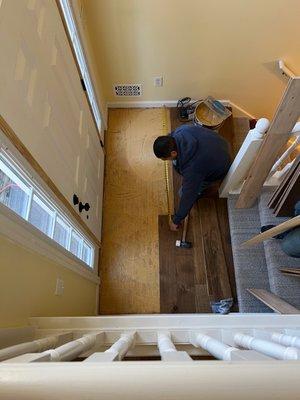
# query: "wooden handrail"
274 302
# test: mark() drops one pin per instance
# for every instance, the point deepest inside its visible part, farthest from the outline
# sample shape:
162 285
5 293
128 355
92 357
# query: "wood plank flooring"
134 197
191 278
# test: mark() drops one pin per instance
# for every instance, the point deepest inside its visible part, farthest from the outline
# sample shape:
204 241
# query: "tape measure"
166 163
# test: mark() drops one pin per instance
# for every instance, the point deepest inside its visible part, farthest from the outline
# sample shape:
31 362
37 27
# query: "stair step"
249 263
286 287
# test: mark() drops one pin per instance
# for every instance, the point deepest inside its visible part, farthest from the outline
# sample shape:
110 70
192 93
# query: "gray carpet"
288 288
249 263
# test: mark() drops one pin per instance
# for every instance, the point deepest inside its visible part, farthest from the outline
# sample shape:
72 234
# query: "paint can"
210 113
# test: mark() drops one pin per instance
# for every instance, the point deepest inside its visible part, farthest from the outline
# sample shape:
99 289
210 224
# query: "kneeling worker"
200 155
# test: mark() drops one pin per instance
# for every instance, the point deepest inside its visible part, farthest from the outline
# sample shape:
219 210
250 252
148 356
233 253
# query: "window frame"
77 47
17 169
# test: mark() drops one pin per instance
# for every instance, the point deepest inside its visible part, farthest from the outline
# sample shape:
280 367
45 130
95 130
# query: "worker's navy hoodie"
203 157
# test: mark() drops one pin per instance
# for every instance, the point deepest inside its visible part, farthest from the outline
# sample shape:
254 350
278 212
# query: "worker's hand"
173 227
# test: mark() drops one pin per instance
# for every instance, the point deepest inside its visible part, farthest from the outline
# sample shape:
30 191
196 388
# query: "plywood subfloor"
134 196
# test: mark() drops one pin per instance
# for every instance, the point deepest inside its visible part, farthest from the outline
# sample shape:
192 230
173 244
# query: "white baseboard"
150 104
142 104
236 110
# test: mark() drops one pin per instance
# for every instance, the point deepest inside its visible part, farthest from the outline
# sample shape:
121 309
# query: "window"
78 49
19 193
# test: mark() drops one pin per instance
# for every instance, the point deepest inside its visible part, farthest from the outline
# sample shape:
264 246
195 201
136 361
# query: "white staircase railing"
92 343
98 339
245 158
240 167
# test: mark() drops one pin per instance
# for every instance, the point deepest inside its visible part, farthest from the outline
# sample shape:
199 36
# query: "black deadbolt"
75 199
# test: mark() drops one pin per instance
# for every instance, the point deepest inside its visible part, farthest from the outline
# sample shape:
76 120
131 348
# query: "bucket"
210 113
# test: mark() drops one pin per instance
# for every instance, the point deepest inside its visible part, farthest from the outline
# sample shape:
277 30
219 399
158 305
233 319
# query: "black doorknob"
75 199
85 207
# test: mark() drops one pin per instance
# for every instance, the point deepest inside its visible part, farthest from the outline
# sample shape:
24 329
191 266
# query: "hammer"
183 243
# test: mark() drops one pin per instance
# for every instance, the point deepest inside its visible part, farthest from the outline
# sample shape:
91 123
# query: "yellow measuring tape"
166 163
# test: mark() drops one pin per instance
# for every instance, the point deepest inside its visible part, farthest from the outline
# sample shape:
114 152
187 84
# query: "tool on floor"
183 243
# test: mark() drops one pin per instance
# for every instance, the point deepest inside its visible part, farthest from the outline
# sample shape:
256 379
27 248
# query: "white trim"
20 231
285 70
240 112
24 171
97 299
151 104
236 110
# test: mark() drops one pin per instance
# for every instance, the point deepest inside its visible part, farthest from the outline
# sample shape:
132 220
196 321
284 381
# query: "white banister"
215 347
266 347
35 346
167 349
121 346
245 157
165 343
116 352
286 340
295 134
71 350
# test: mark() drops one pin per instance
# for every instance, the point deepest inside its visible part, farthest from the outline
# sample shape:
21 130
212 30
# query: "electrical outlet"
60 287
158 81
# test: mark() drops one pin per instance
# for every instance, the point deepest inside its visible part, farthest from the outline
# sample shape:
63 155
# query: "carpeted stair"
258 266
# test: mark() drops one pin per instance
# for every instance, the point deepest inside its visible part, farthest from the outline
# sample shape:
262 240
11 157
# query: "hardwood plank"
291 271
202 303
286 205
216 268
134 197
284 226
274 302
176 265
283 185
222 214
282 124
227 131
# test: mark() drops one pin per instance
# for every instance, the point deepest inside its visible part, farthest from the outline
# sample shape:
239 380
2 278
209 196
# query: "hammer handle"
185 228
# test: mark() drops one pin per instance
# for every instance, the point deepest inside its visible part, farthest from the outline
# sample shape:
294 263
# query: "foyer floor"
141 270
134 196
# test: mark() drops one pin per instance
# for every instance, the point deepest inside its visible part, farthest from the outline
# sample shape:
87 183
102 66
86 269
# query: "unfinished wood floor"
134 196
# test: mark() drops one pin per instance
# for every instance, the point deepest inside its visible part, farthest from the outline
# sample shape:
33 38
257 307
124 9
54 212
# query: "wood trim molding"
282 124
13 138
79 72
274 302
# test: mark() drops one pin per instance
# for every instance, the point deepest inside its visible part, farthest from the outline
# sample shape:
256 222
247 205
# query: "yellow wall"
27 285
223 48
